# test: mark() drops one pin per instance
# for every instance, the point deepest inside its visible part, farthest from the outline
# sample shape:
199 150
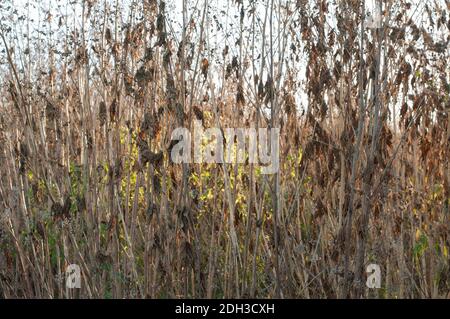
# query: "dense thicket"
92 90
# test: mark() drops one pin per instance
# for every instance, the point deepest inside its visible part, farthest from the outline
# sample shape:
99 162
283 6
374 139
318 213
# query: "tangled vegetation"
91 91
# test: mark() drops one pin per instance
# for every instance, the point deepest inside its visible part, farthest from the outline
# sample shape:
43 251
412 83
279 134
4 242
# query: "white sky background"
174 9
224 12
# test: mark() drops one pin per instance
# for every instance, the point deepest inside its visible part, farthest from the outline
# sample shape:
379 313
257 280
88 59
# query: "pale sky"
223 12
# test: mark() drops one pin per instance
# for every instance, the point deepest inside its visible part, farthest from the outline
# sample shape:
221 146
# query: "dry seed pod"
205 65
261 92
141 142
148 54
146 122
156 184
234 63
150 125
240 99
102 113
61 212
108 35
113 110
23 157
161 39
198 113
116 170
179 113
51 111
225 51
160 23
142 77
188 255
81 56
183 215
228 71
153 158
128 80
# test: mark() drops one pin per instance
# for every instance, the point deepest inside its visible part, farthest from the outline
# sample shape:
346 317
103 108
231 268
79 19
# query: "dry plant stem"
355 159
